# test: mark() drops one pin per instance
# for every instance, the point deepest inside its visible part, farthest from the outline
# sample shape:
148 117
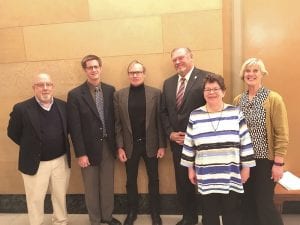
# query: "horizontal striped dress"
217 145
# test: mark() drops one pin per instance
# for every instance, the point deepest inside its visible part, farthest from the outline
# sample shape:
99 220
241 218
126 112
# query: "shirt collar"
187 76
43 105
93 87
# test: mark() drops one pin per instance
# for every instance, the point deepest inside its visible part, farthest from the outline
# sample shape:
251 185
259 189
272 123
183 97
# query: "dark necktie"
180 93
99 104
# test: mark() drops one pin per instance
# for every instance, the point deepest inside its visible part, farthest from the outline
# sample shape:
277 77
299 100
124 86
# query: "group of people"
233 153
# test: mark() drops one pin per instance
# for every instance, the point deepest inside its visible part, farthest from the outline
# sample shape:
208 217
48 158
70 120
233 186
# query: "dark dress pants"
132 166
186 191
258 205
229 205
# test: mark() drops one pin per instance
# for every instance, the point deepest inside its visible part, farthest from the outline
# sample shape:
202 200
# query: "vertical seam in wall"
162 34
237 49
24 45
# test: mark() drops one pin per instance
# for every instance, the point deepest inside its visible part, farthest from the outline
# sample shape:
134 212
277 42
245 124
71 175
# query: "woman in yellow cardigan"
266 118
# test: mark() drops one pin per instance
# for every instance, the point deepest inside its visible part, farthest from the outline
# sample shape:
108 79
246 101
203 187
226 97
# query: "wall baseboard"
11 203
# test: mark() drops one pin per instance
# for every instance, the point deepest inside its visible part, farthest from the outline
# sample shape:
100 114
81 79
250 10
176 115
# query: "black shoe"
113 221
186 222
156 220
131 217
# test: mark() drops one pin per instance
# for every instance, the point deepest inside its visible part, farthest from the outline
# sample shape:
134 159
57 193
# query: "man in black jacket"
182 93
91 121
39 126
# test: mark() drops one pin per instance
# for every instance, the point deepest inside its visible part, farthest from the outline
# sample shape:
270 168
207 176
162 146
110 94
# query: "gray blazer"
155 137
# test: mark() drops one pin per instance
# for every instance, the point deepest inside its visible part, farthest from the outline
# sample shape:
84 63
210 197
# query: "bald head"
43 88
41 77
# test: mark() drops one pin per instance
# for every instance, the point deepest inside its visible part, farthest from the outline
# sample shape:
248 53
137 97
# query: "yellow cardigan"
276 124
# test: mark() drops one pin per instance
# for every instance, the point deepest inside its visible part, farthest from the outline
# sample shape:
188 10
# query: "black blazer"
85 123
23 129
173 120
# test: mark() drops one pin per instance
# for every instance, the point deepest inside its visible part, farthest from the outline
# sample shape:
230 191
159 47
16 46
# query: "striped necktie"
180 93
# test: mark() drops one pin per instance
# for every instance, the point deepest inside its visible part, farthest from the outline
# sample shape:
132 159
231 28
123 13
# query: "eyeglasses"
92 67
136 73
209 90
179 58
42 85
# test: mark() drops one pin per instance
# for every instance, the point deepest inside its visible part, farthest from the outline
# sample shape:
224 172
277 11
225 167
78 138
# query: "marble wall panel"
105 38
11 179
198 30
12 45
23 13
100 9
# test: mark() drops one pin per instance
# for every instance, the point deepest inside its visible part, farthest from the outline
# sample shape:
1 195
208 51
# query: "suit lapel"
189 85
62 117
105 103
87 97
173 88
124 105
149 105
33 114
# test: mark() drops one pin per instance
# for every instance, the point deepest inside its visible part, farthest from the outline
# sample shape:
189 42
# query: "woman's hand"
192 175
245 174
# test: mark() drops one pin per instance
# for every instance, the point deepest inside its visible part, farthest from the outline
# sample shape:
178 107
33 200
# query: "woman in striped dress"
218 153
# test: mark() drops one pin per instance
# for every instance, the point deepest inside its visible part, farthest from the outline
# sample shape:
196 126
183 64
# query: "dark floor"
82 219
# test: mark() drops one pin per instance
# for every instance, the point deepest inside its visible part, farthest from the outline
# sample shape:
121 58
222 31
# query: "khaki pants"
53 174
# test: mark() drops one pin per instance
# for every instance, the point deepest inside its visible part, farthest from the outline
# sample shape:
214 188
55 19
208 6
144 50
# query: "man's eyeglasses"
42 85
136 73
92 67
209 90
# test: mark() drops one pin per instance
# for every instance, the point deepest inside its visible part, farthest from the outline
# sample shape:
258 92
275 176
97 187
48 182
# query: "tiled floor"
82 219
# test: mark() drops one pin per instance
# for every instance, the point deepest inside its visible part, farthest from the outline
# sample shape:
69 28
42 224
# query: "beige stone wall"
271 33
52 36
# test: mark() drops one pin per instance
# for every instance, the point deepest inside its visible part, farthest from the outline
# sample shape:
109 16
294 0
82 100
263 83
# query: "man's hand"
83 161
122 155
160 153
177 137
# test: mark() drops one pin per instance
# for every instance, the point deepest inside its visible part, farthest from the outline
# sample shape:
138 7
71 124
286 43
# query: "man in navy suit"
182 93
39 126
92 129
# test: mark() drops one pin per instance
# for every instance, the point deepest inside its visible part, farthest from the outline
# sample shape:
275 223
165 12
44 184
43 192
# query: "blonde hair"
253 61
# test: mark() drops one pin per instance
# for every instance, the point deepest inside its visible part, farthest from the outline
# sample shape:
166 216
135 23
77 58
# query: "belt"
139 140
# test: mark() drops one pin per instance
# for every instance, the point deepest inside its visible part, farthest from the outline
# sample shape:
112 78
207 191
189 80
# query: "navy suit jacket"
24 129
85 125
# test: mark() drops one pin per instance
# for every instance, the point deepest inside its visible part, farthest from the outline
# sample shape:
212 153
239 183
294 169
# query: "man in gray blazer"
139 134
182 93
91 121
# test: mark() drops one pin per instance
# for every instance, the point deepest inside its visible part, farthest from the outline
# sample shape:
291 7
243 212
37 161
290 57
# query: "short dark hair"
211 78
89 58
136 62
